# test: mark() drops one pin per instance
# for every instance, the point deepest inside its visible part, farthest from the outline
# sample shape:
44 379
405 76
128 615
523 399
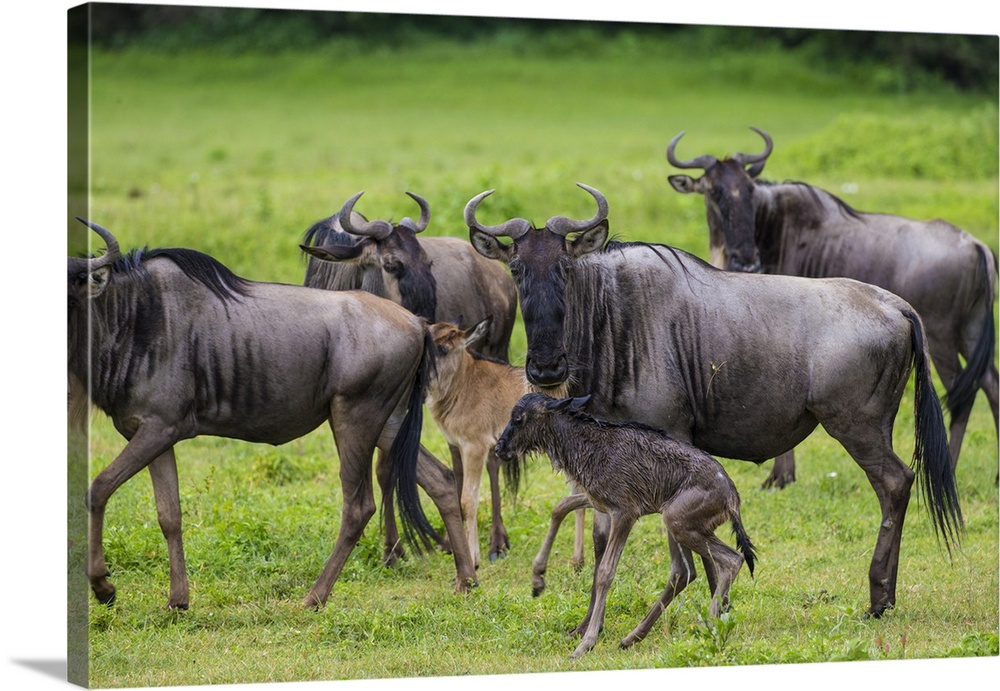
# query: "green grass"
237 155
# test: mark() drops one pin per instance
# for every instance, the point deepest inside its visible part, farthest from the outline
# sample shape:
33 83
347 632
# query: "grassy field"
237 155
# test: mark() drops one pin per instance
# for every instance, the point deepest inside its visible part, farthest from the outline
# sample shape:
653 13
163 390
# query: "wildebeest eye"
393 266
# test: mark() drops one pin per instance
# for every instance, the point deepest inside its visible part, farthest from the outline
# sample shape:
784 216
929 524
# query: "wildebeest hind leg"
163 472
355 446
945 357
782 472
439 483
393 550
991 387
682 572
870 445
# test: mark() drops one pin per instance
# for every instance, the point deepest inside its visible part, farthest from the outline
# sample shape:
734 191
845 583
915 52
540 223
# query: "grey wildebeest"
743 366
628 470
470 397
438 278
796 229
172 345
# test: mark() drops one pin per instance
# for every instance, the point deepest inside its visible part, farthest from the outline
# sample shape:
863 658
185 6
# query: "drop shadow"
50 668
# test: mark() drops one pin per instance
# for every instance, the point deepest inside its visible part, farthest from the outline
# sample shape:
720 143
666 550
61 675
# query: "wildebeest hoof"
104 592
311 602
497 555
876 611
183 606
390 560
466 585
581 650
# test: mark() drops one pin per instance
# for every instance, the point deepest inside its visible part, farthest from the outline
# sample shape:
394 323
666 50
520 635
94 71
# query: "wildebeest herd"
642 362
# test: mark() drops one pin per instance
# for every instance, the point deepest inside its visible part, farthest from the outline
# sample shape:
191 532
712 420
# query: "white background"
32 388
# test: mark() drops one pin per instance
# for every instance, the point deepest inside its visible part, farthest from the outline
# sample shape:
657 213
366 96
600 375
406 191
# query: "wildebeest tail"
743 542
931 457
403 454
962 393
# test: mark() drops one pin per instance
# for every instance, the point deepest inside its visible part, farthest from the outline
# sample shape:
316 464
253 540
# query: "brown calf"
470 397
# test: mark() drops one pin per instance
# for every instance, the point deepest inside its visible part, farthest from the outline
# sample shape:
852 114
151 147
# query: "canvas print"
414 345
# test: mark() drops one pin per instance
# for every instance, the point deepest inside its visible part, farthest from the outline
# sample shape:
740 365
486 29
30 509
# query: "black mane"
815 192
197 266
585 417
324 232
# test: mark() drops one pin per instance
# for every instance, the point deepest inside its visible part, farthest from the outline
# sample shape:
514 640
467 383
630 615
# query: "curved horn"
376 229
419 225
704 162
514 228
561 225
113 249
747 159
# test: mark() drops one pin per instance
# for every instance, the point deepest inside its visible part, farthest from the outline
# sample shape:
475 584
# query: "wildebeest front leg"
439 483
682 572
149 442
782 472
579 538
163 472
567 504
602 526
473 458
499 540
621 526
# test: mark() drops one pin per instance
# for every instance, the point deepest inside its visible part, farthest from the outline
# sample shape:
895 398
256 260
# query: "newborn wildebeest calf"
629 470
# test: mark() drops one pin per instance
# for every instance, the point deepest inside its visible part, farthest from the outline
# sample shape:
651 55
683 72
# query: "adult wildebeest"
438 278
172 345
629 470
741 365
796 229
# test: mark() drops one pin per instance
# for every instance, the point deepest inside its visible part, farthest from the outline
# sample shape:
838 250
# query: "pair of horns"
379 229
516 227
707 161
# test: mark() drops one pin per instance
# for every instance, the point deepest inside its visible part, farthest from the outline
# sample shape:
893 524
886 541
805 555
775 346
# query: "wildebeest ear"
337 253
574 403
97 281
685 184
489 246
589 240
479 331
